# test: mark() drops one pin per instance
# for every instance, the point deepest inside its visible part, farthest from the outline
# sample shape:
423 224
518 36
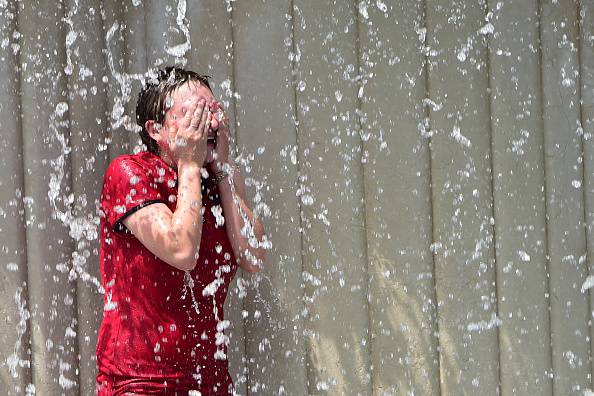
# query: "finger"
197 116
189 112
208 121
205 122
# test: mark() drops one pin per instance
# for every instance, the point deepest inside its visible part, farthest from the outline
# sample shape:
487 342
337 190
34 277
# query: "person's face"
178 104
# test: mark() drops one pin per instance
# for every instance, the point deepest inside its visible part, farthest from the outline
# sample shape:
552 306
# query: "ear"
153 130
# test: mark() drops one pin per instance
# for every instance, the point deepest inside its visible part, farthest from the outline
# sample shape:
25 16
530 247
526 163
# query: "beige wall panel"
164 37
520 213
462 207
332 197
398 201
88 109
565 211
47 185
135 59
15 372
211 53
586 51
117 29
211 36
267 138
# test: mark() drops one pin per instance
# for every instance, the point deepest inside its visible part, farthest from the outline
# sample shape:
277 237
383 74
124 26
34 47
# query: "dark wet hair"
152 99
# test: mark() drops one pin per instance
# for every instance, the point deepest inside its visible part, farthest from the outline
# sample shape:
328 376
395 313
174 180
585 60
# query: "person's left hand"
223 139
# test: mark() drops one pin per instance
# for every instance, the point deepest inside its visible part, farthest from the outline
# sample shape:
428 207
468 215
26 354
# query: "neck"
165 156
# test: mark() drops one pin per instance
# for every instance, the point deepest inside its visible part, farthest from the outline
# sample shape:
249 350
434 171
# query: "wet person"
175 225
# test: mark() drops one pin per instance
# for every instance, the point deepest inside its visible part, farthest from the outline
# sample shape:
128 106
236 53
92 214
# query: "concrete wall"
424 168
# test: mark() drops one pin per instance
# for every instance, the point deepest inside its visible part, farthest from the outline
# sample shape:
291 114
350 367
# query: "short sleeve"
127 187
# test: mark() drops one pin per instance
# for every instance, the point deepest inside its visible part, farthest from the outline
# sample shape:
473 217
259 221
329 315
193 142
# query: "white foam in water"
381 6
457 135
217 211
30 390
110 305
588 283
65 382
189 285
13 361
212 287
487 28
363 9
483 325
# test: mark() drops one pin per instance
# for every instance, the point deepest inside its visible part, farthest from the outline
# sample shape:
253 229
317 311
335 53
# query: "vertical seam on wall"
544 180
105 68
146 61
427 114
127 63
104 52
306 346
106 115
584 195
73 247
233 102
493 203
363 191
145 41
32 355
27 340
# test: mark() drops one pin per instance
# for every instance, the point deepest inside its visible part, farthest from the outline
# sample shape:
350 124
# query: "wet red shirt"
162 328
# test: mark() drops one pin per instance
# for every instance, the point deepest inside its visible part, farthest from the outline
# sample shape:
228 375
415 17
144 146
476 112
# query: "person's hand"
220 126
188 140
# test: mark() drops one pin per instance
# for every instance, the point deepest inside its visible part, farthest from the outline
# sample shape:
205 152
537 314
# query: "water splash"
179 50
189 285
13 361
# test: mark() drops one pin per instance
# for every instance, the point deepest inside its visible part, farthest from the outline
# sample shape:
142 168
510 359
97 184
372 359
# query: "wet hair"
152 99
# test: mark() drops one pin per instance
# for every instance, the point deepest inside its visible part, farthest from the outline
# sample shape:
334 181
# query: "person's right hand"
188 141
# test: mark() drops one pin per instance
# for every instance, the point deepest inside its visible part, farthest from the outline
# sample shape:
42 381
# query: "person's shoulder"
129 162
123 168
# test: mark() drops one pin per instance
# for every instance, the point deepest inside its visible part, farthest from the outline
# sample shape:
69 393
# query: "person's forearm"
186 222
249 257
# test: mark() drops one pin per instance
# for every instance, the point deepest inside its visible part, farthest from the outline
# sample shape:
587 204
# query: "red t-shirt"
159 332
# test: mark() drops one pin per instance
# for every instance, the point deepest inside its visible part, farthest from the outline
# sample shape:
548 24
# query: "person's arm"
241 225
173 237
248 258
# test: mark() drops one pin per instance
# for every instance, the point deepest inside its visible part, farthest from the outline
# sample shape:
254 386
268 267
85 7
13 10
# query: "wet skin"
179 103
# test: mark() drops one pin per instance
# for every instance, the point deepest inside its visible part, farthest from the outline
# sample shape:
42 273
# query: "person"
175 225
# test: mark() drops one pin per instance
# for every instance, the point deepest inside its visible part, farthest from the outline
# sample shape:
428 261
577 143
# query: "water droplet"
307 200
338 96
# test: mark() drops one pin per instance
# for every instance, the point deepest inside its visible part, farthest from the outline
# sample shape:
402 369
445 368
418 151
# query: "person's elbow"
185 260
